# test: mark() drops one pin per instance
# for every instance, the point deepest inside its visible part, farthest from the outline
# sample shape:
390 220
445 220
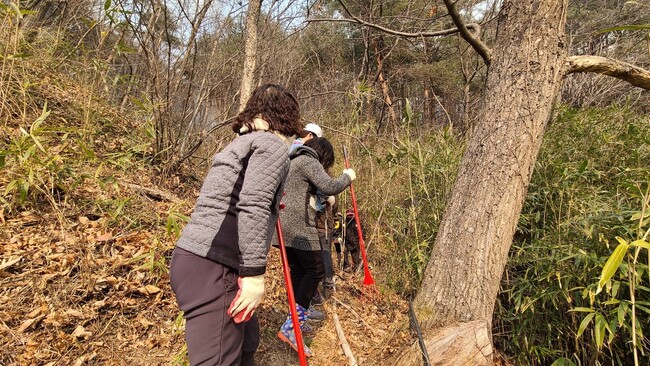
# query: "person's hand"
350 172
249 296
331 200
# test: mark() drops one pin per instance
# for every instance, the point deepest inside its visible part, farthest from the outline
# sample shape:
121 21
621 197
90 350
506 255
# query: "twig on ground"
349 308
153 193
344 343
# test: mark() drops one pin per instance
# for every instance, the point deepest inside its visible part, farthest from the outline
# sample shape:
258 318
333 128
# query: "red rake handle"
367 280
290 295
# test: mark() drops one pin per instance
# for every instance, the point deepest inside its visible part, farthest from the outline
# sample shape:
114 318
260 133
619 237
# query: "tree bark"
250 52
472 340
461 282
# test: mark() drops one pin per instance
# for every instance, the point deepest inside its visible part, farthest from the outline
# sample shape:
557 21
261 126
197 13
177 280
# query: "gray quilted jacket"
306 175
235 214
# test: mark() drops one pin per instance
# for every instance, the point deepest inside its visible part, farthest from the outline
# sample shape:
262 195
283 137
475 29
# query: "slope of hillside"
88 226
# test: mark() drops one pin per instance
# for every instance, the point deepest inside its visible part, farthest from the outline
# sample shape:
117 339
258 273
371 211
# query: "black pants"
328 266
354 251
306 272
204 290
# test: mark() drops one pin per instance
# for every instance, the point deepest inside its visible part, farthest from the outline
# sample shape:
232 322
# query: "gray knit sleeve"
317 175
267 169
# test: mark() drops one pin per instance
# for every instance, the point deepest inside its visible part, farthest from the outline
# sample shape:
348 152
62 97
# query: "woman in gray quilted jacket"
307 174
217 268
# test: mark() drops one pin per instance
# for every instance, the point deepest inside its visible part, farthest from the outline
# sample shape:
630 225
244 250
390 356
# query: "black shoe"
328 290
317 299
315 314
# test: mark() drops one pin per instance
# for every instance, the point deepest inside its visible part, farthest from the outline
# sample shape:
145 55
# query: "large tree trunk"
462 278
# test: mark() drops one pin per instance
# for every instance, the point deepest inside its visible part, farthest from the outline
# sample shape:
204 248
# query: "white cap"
314 128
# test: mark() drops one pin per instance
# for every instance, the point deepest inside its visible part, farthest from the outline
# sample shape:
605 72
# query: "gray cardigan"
299 217
235 214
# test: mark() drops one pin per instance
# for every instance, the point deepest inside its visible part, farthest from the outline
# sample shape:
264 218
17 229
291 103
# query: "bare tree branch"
198 143
352 361
154 193
475 42
462 28
444 32
607 66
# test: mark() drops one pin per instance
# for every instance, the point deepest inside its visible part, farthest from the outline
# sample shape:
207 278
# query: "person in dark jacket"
337 236
218 265
307 174
352 245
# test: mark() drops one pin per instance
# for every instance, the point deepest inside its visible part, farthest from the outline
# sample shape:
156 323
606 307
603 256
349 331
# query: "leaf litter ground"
84 272
73 291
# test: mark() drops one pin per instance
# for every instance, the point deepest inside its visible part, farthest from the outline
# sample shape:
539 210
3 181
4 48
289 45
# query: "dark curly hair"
324 149
276 106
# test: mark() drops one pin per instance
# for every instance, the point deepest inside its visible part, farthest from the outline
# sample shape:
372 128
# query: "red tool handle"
290 295
367 280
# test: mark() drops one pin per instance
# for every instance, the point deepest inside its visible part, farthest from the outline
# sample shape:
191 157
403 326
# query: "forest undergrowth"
88 225
89 214
88 228
589 192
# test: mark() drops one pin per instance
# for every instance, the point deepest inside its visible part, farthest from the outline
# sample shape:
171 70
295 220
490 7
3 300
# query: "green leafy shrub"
34 170
403 194
584 193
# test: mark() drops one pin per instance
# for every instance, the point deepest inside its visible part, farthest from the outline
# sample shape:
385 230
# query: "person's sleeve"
267 168
317 175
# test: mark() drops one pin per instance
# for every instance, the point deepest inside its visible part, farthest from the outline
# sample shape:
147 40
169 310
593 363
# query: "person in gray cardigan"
307 174
218 265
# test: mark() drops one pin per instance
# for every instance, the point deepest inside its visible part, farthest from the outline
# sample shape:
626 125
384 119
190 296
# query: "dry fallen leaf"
149 290
28 323
74 313
31 346
85 358
36 312
152 342
55 319
99 304
81 332
104 237
146 323
6 263
46 277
